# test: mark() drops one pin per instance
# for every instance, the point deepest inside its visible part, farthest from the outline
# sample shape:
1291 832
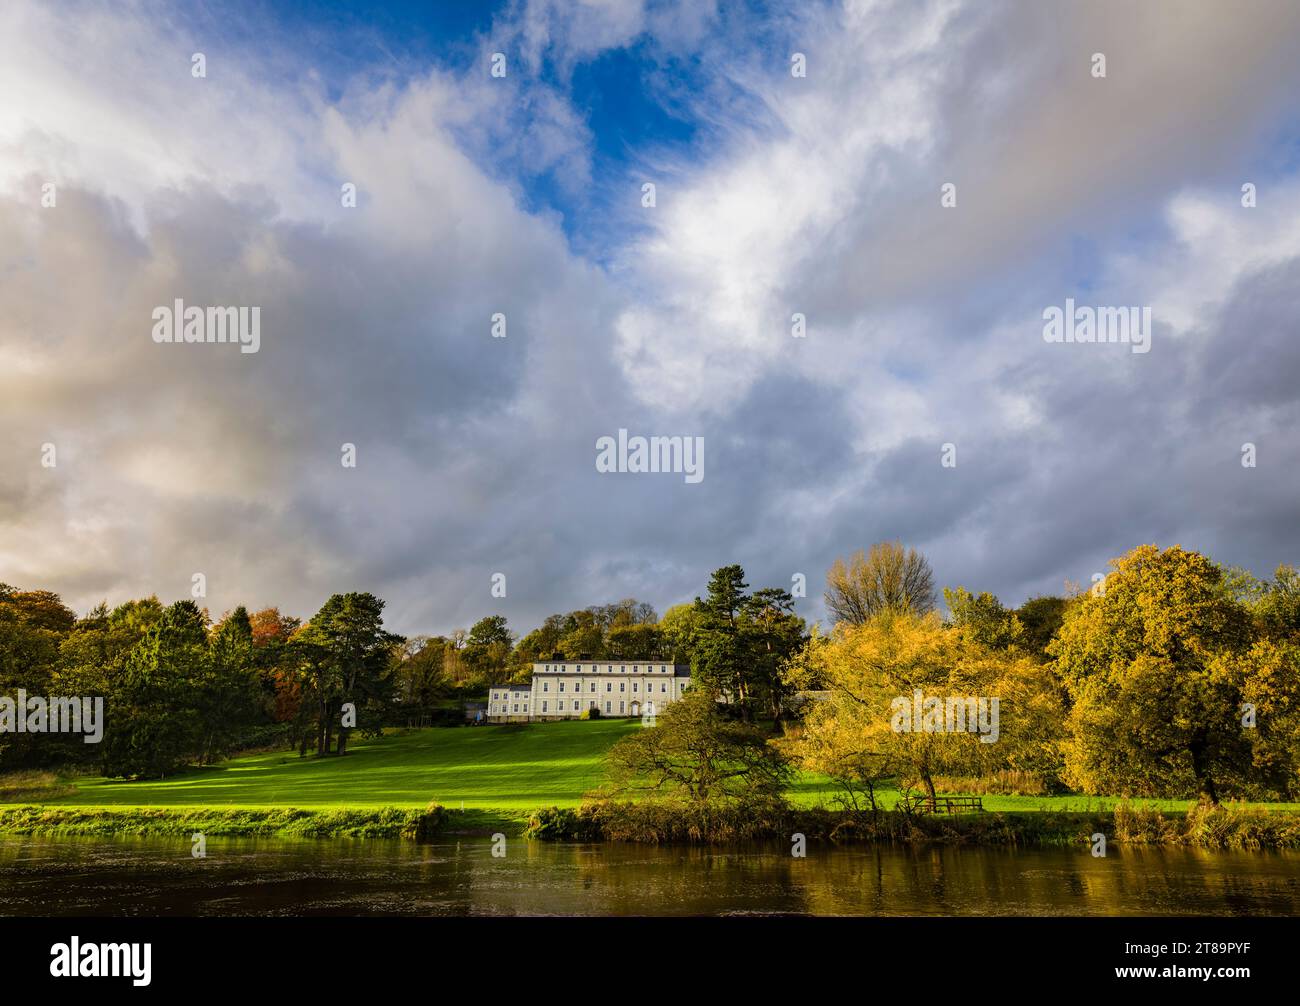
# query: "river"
154 877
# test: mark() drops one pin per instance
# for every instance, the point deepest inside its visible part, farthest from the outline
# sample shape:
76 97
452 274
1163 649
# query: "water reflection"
263 877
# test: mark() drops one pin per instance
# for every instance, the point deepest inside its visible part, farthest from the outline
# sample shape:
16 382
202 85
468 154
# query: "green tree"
718 663
773 634
229 694
639 640
347 657
487 650
983 618
33 625
694 752
154 724
1040 618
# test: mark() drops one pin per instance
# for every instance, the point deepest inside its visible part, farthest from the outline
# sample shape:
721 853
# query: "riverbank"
1228 827
170 822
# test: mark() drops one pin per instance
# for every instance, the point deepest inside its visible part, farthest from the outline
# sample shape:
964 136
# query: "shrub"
559 824
590 714
426 826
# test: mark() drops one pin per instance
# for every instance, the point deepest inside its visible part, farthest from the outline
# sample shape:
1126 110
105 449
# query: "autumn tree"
897 661
280 683
1156 665
889 577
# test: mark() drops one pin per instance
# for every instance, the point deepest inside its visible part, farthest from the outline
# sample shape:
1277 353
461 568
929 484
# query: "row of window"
609 686
609 668
577 706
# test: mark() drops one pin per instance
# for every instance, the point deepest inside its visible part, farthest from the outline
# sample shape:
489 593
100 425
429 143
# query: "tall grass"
385 822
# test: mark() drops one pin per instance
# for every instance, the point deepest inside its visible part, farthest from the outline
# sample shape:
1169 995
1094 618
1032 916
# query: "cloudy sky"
522 194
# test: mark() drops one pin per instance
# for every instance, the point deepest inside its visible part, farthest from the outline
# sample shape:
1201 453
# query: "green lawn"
488 768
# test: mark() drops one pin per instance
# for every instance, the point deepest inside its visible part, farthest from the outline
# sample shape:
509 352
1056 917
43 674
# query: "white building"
564 689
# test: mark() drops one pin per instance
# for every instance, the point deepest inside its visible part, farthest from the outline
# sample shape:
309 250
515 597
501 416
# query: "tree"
718 663
584 636
983 618
419 676
897 661
1277 608
773 634
154 725
1153 667
680 626
644 640
695 752
487 650
281 687
1040 618
347 657
33 625
229 694
888 578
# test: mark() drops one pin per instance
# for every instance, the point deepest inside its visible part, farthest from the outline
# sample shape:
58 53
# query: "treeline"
1173 677
179 689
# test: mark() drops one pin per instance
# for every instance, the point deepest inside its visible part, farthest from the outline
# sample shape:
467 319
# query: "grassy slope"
502 769
483 766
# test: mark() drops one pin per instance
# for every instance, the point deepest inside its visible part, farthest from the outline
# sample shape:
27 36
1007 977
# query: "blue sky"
775 194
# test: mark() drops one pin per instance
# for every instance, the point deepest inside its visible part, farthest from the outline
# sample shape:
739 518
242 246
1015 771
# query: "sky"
922 402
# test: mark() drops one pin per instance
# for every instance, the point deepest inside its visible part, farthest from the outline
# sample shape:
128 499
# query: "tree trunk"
929 789
1204 782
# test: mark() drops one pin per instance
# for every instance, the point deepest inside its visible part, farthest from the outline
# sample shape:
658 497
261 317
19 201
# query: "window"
543 707
634 668
663 686
561 686
663 668
516 707
622 667
593 686
634 686
622 686
607 707
546 686
620 706
609 686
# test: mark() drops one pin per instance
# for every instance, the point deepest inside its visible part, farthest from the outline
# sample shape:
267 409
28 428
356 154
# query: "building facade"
564 689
